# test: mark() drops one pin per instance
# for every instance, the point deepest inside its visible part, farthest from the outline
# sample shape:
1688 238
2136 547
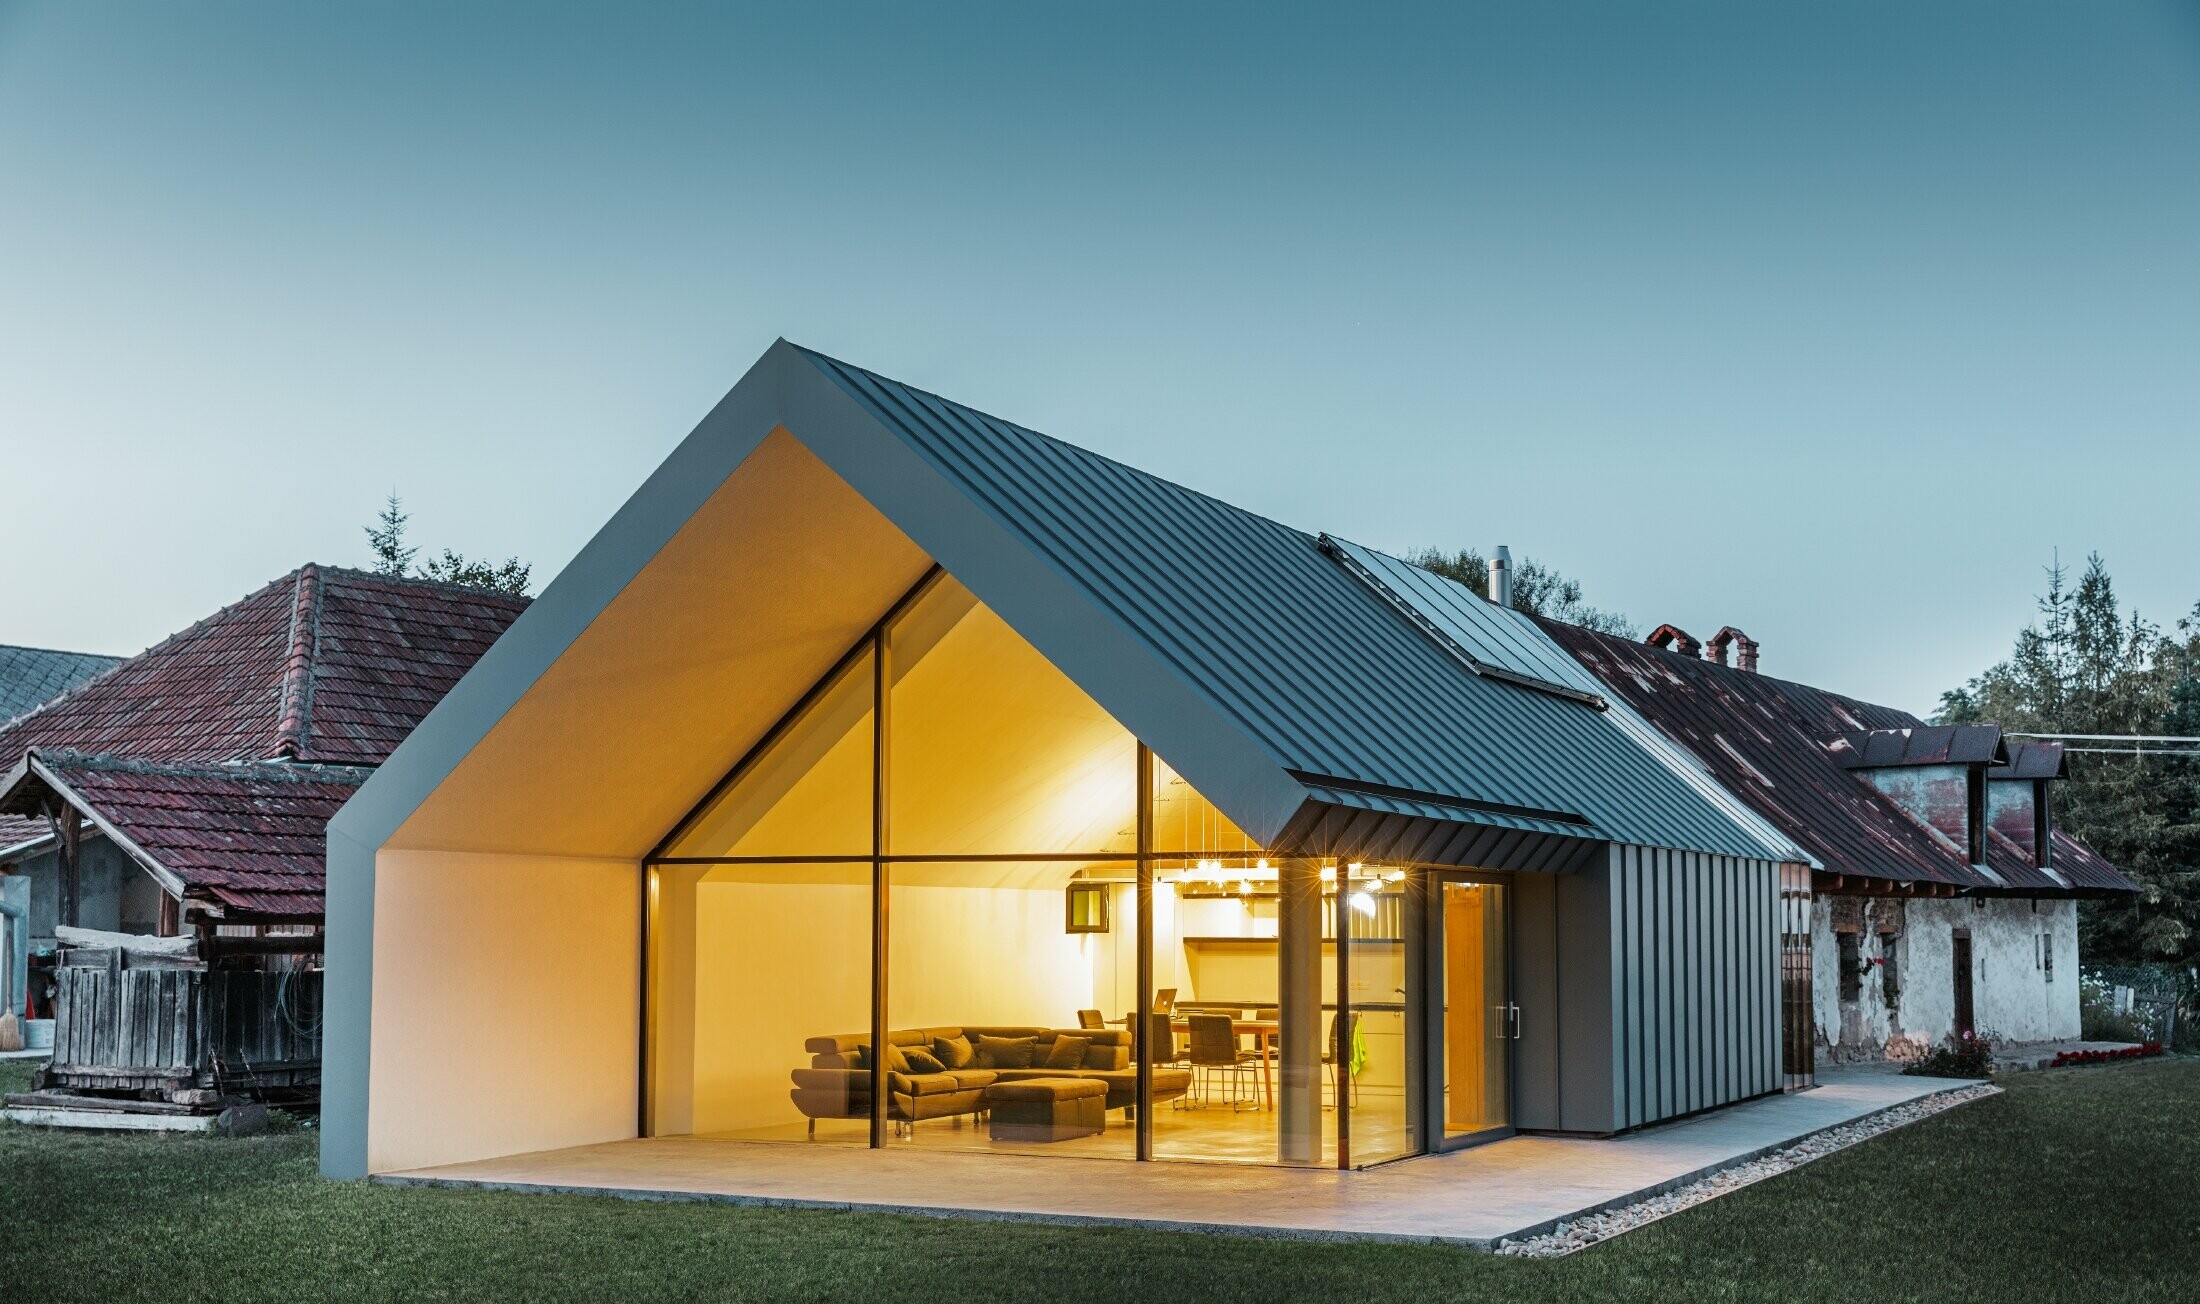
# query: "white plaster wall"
2013 998
504 999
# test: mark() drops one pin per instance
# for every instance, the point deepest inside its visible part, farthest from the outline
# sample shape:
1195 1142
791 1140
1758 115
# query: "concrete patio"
1506 1190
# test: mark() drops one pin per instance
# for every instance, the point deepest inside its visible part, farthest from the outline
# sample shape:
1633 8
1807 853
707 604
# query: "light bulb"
1329 873
1363 903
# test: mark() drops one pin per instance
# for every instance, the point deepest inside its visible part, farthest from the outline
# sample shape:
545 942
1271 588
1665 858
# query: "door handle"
1512 1012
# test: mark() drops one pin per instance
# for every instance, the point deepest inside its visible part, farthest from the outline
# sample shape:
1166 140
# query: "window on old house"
1890 983
2047 955
1852 965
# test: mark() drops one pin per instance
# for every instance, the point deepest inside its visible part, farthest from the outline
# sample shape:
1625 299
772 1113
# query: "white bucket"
38 1034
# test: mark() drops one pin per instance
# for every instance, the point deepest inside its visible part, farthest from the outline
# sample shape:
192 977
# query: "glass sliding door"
1475 1021
1370 1060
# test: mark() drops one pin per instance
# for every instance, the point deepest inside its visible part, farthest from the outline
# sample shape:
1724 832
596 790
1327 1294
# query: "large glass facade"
961 871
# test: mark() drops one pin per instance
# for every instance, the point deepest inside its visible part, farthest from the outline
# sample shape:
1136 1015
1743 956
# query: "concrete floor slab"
1505 1190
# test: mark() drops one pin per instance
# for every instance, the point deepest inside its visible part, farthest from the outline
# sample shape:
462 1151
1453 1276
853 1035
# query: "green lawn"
2079 1184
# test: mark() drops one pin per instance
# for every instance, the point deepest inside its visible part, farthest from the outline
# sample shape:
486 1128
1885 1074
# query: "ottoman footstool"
1047 1109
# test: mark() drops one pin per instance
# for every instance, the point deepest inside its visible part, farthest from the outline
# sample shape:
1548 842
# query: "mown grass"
2080 1184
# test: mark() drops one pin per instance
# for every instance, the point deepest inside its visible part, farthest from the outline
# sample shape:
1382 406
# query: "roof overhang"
33 786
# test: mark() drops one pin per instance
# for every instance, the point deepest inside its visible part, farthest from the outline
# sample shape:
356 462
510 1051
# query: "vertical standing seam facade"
1694 984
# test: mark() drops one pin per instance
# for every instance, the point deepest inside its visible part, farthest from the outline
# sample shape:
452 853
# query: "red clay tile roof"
321 669
250 838
1770 742
324 665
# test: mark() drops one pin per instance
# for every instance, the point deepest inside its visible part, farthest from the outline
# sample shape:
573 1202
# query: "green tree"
1537 589
509 576
2087 666
393 557
387 538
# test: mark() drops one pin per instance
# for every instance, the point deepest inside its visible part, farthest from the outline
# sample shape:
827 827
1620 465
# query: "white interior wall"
505 989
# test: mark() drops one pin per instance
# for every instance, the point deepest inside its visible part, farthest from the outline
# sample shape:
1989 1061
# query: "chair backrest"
1268 1013
1164 1000
1353 1024
1214 1039
1090 1019
1163 1032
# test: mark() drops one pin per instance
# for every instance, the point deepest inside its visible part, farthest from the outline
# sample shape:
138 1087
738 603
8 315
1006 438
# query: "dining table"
1262 1031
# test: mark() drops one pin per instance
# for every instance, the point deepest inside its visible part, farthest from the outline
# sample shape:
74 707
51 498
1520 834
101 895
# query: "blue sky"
1832 322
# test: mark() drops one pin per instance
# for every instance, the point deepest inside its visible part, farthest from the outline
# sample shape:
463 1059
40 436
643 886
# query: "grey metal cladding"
1307 660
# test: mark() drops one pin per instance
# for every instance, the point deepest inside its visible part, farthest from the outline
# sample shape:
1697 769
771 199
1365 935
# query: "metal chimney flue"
1501 577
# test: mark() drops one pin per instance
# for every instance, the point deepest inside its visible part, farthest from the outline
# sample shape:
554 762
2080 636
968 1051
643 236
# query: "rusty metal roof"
1772 743
1932 744
2033 760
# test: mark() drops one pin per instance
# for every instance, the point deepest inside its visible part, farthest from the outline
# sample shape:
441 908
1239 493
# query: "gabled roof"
1290 693
324 664
1781 746
1349 697
250 839
30 676
322 667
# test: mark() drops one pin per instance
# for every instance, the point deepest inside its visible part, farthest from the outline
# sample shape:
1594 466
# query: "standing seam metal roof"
1303 657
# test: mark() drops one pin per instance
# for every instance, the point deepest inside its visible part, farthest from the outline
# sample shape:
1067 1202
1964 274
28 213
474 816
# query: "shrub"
1958 1057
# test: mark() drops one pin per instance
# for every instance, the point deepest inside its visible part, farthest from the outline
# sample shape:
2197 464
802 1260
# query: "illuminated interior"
1004 788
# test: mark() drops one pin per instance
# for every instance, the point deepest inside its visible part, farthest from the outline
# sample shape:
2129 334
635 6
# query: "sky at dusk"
1832 322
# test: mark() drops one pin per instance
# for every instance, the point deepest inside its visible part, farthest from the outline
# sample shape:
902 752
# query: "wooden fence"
184 1030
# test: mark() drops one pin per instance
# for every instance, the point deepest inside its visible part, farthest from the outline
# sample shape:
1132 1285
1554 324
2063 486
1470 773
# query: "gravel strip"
1581 1233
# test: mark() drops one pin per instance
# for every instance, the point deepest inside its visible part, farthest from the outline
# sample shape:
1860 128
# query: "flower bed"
2141 1051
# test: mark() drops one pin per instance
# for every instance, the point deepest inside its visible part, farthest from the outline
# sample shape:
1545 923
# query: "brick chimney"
1675 638
1745 649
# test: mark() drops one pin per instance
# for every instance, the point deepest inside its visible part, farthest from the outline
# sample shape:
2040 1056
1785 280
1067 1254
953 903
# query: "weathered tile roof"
324 664
251 838
1773 743
31 676
203 742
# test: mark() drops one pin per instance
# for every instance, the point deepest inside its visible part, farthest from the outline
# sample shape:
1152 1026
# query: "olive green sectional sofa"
943 1072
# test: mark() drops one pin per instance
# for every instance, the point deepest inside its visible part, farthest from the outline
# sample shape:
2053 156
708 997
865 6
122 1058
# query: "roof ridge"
178 636
1176 485
420 581
294 705
276 771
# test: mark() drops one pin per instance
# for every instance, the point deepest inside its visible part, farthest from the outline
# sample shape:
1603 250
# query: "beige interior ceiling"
747 606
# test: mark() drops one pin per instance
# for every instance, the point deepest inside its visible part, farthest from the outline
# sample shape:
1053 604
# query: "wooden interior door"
1476 1026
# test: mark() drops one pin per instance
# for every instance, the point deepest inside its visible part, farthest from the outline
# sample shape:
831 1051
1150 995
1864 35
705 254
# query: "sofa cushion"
953 1052
1046 1089
1067 1052
922 1060
1107 1057
1006 1052
923 1084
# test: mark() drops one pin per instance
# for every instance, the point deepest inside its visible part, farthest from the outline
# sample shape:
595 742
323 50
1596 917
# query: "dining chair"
1215 1049
1090 1019
1340 1065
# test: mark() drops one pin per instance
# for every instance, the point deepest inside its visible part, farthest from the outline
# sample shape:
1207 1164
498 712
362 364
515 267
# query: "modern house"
186 790
885 774
1944 898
